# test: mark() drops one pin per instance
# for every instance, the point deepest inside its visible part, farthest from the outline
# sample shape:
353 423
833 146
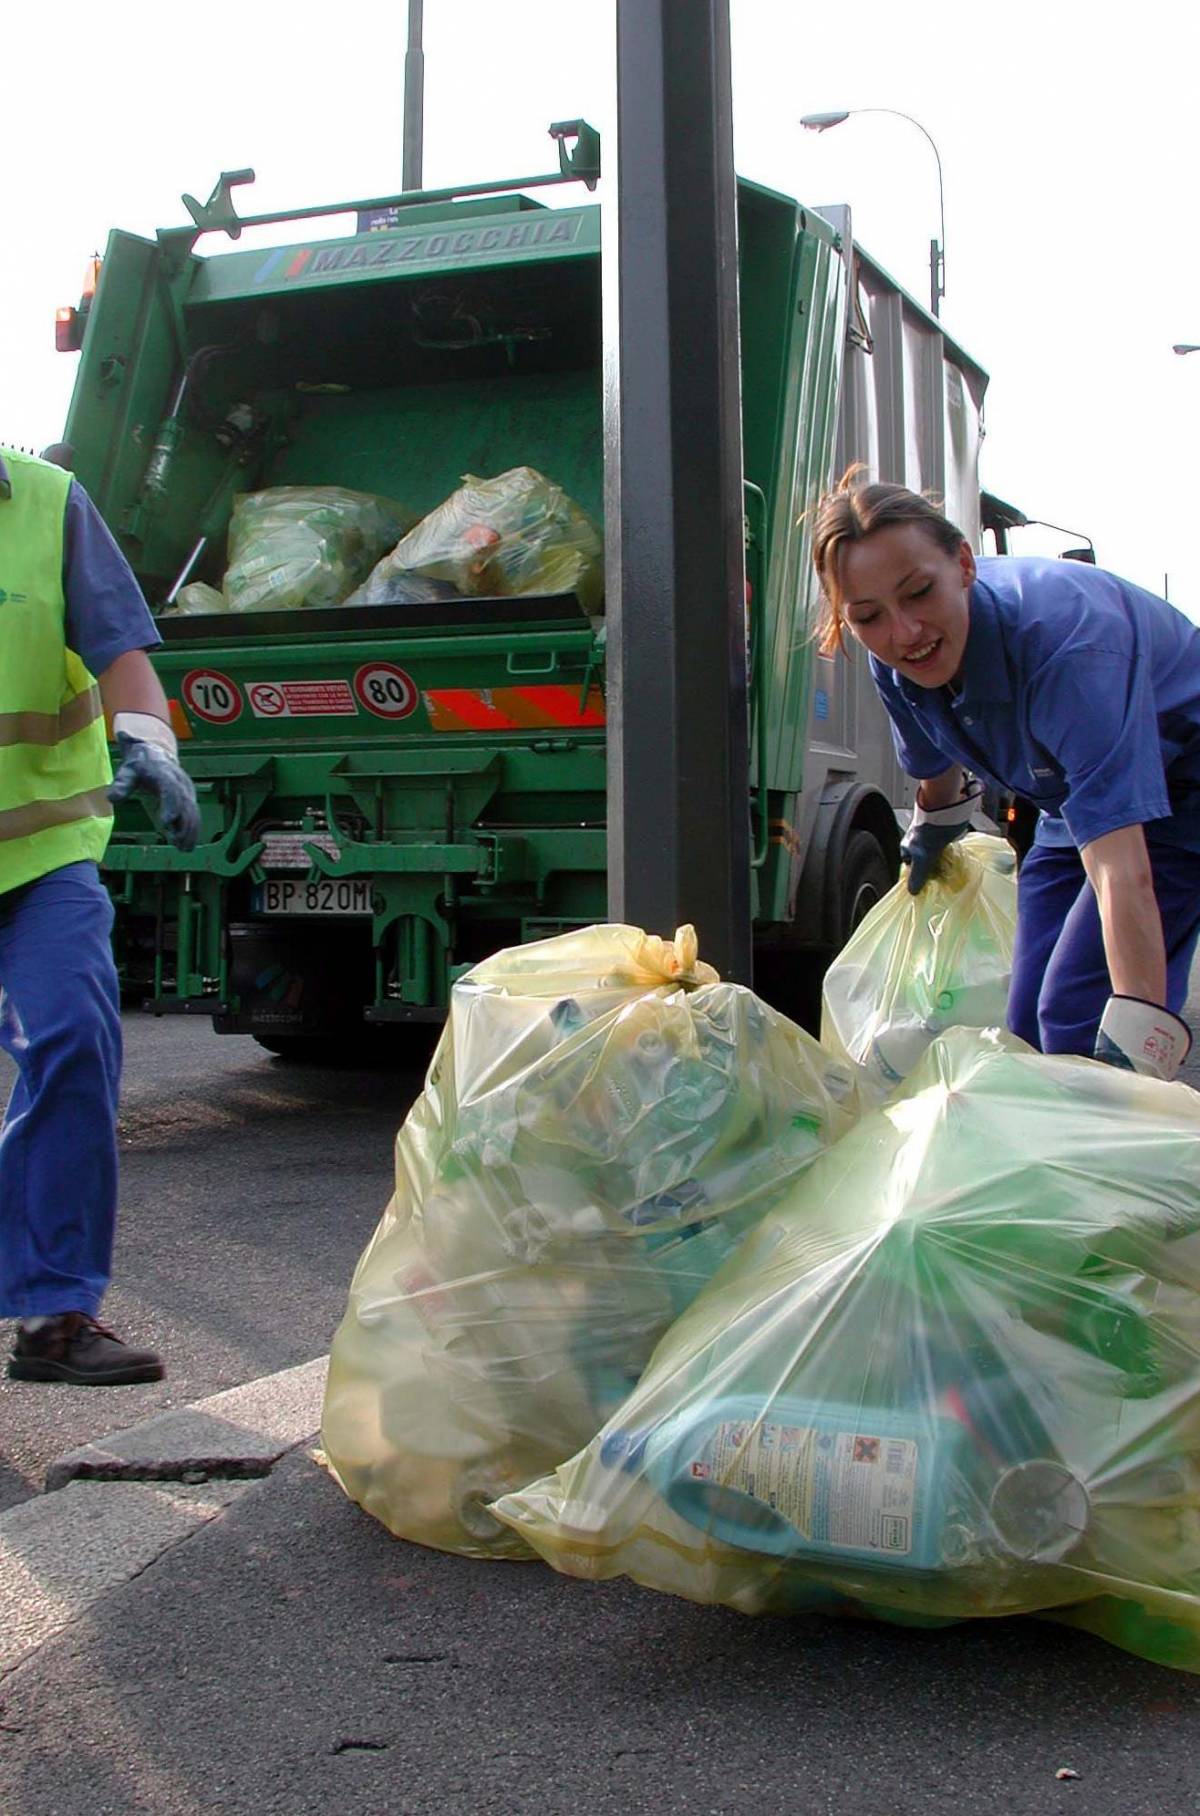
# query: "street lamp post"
821 122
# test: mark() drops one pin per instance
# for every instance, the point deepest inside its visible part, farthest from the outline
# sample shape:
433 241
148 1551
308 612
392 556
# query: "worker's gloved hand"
149 765
1142 1037
929 833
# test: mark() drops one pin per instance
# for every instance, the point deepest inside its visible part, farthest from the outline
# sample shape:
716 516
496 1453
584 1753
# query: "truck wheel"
866 878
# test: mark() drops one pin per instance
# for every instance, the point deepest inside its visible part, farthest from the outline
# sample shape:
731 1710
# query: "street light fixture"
1185 347
821 122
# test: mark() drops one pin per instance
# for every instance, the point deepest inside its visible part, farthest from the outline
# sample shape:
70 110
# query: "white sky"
1068 135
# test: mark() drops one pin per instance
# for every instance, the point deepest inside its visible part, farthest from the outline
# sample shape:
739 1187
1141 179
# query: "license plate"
329 896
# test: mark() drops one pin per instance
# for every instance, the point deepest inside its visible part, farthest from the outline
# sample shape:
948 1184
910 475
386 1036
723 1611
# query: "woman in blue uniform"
1070 687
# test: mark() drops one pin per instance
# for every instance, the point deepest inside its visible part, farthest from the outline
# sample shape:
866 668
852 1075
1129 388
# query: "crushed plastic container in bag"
198 600
516 534
918 964
955 1372
602 1122
294 546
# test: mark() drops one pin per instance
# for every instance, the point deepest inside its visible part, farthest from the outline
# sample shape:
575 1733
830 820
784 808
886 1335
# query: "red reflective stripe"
526 707
470 709
561 705
541 708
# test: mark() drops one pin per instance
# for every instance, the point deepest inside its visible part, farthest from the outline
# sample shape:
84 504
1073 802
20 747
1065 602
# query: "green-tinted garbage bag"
198 600
956 1372
918 964
516 534
293 546
602 1122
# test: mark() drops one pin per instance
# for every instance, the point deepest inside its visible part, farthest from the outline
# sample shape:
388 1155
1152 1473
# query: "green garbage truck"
391 790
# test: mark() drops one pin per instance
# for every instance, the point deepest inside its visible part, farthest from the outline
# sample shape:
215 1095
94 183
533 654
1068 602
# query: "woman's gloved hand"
1142 1037
930 831
149 766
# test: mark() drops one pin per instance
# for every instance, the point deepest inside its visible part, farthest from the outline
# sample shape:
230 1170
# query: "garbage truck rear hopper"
391 791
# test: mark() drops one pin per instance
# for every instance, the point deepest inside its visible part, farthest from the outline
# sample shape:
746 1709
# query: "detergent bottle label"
850 1490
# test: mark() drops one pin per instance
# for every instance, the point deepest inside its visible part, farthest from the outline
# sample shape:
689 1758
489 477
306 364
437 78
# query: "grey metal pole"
414 99
678 760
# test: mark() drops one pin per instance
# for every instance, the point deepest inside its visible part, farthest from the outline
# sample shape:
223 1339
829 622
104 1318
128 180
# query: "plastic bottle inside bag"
889 1488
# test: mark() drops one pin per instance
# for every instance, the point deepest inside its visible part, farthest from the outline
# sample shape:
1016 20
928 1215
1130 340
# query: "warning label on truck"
300 699
847 1489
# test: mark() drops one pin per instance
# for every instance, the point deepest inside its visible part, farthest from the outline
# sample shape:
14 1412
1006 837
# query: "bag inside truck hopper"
506 537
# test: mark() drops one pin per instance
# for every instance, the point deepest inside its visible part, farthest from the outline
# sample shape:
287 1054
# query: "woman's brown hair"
853 511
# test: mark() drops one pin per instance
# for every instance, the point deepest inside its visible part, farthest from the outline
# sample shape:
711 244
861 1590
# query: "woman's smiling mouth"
917 658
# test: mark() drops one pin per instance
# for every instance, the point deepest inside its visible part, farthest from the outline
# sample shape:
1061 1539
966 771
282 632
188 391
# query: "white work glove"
149 766
930 831
1142 1037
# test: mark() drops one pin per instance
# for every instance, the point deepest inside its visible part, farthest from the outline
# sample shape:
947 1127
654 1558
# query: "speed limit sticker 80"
386 690
211 696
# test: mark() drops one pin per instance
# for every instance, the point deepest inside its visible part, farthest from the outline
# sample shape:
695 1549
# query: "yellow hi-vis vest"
54 765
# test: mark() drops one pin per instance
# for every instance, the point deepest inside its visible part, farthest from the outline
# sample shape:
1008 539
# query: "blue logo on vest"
16 598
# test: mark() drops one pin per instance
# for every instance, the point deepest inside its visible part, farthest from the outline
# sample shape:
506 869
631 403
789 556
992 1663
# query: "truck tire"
866 878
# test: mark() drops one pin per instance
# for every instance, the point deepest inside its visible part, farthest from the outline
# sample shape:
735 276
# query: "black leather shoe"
73 1347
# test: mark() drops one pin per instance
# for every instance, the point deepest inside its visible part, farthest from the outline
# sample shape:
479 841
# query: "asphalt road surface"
248 1189
294 1658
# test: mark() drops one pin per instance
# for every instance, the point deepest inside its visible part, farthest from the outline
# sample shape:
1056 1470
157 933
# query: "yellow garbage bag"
294 546
602 1122
955 1372
918 964
515 534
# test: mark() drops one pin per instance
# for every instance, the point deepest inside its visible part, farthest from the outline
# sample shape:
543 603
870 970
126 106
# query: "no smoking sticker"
211 696
266 700
386 690
301 699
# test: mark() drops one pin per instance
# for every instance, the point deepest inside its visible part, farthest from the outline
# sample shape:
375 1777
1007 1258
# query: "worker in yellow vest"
74 631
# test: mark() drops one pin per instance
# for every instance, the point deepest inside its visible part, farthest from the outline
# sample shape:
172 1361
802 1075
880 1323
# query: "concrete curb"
59 1554
125 1500
242 1432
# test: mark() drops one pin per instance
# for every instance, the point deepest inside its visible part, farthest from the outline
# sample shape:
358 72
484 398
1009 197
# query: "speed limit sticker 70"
386 690
211 695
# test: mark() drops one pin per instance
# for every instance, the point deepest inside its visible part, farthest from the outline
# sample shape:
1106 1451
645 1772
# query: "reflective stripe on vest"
51 728
40 816
54 765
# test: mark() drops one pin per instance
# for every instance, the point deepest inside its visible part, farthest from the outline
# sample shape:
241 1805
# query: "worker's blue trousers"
1060 978
60 1022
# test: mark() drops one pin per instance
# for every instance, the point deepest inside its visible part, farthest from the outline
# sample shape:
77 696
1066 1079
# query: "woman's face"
906 601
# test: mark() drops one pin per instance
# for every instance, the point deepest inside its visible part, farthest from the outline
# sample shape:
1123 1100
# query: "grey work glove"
930 831
1142 1037
149 767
